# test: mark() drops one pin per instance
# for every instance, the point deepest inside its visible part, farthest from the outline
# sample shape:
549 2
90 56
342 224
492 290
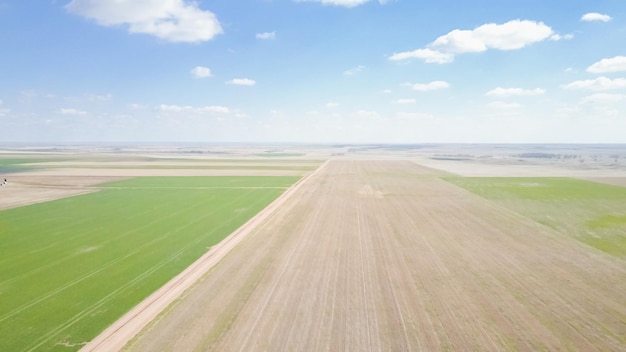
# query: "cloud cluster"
344 3
71 112
615 64
266 35
604 98
598 84
434 85
353 71
594 16
198 110
171 20
201 72
242 82
507 92
511 35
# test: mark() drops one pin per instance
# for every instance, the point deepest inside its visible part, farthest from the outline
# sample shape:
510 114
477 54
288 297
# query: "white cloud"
405 101
557 37
332 105
434 85
98 98
505 92
413 116
428 55
171 20
366 113
598 84
201 72
387 91
594 16
266 35
242 82
615 64
136 106
188 108
503 105
511 35
604 98
71 111
353 71
344 3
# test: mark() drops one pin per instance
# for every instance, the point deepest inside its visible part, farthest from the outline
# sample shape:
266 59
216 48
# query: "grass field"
8 166
71 267
591 212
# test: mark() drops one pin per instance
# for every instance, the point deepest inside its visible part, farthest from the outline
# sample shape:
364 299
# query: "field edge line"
122 331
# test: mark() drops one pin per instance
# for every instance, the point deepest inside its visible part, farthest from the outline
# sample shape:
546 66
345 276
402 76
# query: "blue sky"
353 71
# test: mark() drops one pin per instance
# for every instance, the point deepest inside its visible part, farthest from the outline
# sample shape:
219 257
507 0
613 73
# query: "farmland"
372 250
386 255
72 266
591 212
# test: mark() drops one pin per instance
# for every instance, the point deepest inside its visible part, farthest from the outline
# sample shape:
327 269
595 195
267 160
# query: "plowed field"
385 256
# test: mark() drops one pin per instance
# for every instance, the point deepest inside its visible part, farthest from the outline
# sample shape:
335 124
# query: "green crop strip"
593 213
71 267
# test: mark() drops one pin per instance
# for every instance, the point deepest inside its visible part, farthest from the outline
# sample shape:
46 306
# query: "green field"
71 267
593 213
9 166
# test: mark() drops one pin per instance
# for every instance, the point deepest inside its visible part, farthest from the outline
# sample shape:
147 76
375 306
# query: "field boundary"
116 336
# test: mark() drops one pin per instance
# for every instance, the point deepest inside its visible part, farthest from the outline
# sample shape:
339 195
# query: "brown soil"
384 256
24 190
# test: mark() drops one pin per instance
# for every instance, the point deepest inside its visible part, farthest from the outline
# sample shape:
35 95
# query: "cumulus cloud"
594 16
98 98
511 35
72 111
344 3
242 82
192 109
598 84
353 71
557 37
201 72
332 105
503 105
171 20
506 92
428 55
615 64
266 35
434 85
405 101
603 98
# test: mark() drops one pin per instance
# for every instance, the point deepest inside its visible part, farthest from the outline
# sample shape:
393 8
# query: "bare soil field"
115 172
41 180
385 256
24 190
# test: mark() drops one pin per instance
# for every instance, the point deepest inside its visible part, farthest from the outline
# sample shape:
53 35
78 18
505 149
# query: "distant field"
8 166
208 167
591 212
71 267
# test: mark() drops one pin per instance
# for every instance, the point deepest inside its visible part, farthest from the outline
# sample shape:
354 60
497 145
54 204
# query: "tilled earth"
385 256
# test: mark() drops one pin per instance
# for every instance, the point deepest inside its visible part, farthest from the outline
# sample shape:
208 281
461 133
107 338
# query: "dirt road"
384 256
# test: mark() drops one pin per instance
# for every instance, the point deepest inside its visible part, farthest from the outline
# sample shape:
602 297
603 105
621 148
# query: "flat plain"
385 255
372 251
71 267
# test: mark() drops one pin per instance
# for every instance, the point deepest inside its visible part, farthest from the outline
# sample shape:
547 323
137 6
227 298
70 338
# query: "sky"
313 71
